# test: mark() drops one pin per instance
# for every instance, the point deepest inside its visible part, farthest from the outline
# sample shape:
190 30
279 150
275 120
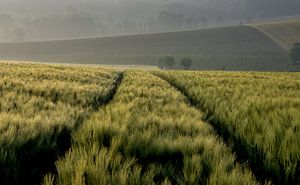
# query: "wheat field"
68 124
259 113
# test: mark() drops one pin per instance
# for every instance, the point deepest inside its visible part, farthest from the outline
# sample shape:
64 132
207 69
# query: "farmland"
285 33
141 138
231 48
40 107
257 113
68 124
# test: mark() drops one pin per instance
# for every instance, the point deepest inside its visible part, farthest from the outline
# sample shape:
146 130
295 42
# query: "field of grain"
257 113
285 33
67 124
148 134
230 48
39 108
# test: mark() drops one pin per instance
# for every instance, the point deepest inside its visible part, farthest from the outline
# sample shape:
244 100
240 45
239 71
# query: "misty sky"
56 19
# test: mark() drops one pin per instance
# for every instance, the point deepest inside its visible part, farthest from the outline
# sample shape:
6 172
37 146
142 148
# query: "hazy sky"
46 19
48 6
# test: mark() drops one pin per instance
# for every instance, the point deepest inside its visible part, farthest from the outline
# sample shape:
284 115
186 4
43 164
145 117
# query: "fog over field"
33 20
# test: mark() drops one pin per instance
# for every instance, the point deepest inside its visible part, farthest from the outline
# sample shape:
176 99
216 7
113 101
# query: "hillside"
230 48
285 33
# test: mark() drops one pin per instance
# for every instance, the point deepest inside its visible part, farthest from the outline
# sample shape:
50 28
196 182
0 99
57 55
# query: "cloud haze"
62 19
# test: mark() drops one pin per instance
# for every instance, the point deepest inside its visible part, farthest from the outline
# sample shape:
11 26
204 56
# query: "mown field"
230 48
91 125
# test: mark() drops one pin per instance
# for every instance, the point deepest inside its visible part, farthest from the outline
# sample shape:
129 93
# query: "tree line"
95 19
74 24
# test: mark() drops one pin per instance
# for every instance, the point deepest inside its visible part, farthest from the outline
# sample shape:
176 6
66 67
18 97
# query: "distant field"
115 67
230 48
81 125
285 33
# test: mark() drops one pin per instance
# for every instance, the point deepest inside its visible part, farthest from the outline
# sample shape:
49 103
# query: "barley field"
40 106
148 134
258 113
81 125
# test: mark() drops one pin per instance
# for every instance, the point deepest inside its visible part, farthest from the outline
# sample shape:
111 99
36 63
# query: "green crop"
148 134
40 106
258 112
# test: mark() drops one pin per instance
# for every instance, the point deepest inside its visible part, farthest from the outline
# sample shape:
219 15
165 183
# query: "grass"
257 113
40 106
148 134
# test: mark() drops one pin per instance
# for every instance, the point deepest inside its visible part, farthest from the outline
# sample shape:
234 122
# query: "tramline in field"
148 134
39 107
260 112
77 125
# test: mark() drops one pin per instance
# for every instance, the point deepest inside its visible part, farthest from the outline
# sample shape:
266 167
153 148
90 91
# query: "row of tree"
92 19
169 62
73 23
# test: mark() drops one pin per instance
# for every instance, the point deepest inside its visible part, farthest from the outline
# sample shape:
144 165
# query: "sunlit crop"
148 134
40 106
260 112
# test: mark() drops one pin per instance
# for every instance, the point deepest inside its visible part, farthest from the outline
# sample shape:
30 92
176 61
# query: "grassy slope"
235 48
285 33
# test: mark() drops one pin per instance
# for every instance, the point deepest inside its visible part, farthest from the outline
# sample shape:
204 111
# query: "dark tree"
168 61
295 53
186 62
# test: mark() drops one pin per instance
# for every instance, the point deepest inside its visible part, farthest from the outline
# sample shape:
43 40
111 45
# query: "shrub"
168 61
186 62
295 52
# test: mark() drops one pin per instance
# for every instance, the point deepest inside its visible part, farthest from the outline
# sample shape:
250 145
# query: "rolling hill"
285 33
230 48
